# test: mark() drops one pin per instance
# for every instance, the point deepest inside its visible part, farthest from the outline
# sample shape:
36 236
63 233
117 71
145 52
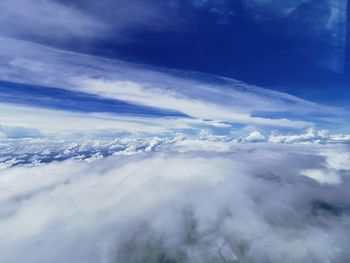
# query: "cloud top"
250 203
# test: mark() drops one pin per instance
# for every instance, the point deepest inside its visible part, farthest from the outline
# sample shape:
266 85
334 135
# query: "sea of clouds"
205 199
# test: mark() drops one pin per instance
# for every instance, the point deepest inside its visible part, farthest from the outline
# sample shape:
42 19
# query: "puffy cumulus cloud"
310 136
249 203
37 151
25 148
254 136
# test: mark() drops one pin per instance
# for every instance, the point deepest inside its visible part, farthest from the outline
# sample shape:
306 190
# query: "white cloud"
309 136
58 122
175 100
248 202
335 163
254 136
337 160
340 137
323 176
3 135
225 101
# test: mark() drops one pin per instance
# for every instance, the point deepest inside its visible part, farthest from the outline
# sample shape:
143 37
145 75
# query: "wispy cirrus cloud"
50 20
204 99
57 23
49 122
198 96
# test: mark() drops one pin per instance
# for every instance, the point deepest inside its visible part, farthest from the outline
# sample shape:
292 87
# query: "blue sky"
177 65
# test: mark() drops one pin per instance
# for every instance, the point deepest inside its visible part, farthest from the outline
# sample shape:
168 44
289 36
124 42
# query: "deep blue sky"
295 46
298 51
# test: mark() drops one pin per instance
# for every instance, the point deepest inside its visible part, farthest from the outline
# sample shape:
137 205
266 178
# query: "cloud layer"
255 203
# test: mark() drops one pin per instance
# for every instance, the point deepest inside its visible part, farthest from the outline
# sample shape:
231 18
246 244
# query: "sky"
194 131
195 63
